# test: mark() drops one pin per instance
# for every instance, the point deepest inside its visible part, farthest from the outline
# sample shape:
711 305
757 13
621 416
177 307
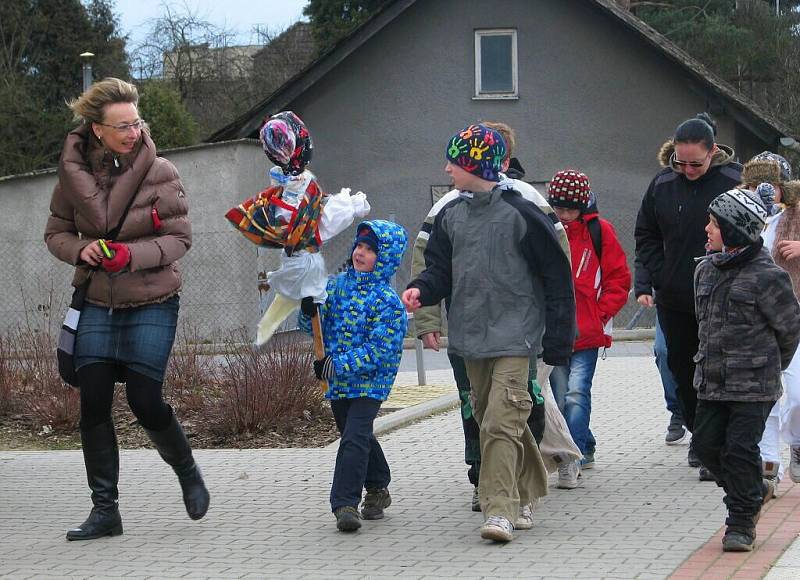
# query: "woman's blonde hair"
89 106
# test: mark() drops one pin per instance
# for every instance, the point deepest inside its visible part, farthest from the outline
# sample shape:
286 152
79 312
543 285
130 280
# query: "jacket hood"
722 157
515 169
392 243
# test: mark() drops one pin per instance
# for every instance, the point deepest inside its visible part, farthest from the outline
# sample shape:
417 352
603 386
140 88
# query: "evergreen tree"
40 69
332 20
171 125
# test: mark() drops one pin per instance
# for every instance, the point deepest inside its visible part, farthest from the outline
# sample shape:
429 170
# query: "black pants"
360 462
143 393
726 438
472 432
680 334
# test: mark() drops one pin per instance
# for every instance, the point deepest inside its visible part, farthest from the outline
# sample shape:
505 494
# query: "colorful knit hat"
287 142
478 150
570 189
741 217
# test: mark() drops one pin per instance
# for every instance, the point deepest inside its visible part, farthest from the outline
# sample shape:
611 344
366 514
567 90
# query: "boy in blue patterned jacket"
363 324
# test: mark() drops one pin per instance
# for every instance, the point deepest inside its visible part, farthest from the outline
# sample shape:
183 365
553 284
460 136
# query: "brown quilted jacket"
88 201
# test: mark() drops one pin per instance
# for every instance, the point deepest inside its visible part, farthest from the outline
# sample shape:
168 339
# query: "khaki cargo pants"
512 471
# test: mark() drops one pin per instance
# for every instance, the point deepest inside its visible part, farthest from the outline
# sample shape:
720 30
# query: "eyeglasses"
676 162
125 127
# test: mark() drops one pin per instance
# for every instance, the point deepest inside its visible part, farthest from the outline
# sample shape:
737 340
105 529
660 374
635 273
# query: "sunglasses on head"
678 163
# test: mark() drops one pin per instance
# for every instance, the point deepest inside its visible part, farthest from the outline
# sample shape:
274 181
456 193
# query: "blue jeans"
360 461
572 389
667 380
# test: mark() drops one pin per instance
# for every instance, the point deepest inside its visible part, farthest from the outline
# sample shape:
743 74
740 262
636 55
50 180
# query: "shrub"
8 378
43 396
261 389
190 374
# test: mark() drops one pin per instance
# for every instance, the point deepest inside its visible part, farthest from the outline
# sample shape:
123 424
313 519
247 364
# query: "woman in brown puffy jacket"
127 326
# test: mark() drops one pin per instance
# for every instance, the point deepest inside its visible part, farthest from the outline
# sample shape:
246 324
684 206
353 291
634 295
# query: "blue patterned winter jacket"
364 321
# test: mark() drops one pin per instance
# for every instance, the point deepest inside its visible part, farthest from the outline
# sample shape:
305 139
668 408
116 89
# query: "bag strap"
115 232
596 234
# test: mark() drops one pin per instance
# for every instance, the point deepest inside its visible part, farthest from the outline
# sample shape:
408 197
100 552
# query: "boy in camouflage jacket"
749 329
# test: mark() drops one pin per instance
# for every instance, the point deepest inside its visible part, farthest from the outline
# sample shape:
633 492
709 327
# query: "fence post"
421 379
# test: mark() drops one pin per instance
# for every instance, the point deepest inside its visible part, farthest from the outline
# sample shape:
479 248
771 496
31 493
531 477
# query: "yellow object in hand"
106 251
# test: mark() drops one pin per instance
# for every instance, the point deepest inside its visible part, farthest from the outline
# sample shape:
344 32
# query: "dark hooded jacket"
670 228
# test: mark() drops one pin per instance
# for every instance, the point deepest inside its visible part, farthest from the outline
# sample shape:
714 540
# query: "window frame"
514 93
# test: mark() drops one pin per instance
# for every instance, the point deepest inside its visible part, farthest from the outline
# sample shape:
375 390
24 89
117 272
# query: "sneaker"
771 470
738 541
692 458
525 517
676 433
568 475
794 464
705 475
347 519
497 528
769 489
588 461
374 503
476 500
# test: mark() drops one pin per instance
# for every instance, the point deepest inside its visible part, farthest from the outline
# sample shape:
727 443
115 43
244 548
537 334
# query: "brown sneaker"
374 503
347 519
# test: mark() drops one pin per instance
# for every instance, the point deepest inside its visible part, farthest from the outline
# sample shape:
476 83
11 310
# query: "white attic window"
496 64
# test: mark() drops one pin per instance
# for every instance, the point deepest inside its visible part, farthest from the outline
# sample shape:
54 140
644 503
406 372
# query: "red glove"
121 258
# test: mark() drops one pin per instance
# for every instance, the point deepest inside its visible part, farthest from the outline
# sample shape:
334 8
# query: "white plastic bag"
340 211
301 274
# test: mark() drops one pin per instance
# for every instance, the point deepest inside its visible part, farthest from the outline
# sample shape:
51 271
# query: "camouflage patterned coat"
749 328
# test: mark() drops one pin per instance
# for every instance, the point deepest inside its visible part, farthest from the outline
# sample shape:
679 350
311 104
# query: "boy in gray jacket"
498 259
749 329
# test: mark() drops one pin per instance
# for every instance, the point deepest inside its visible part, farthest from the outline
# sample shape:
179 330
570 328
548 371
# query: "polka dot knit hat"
569 189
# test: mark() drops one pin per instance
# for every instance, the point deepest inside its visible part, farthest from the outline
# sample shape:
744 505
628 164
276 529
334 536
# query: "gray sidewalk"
639 514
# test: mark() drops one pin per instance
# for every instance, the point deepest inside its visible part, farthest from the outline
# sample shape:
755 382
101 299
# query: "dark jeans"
360 461
472 439
680 334
725 438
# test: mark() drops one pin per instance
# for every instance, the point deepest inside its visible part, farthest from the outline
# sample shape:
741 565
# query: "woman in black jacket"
670 234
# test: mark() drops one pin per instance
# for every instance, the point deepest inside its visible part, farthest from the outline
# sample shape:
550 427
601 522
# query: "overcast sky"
238 15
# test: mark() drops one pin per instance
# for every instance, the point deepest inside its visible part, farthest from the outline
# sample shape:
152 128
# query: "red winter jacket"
601 290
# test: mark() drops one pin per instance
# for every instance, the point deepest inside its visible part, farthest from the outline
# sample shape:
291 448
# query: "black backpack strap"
595 233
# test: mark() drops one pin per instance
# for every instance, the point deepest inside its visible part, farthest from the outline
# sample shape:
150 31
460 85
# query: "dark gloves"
120 259
324 368
308 307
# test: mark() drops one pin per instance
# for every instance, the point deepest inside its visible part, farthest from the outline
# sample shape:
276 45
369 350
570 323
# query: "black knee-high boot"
174 448
101 456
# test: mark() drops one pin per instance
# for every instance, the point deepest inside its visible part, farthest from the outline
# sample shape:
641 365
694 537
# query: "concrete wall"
220 272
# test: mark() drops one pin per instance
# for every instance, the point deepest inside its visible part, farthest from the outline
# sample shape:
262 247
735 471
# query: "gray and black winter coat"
498 259
749 327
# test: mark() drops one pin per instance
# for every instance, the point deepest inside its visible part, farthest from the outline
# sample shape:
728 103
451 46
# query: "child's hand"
410 299
323 369
789 249
431 340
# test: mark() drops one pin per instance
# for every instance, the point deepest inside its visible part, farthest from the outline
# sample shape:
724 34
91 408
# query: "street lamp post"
86 57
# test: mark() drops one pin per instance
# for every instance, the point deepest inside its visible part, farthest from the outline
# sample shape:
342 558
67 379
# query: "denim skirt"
139 338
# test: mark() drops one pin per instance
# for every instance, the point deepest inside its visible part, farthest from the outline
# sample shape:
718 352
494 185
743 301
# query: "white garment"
784 419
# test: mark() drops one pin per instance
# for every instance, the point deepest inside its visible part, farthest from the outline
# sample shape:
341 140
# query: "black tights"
143 393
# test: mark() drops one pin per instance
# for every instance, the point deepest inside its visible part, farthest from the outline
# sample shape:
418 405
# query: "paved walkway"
641 513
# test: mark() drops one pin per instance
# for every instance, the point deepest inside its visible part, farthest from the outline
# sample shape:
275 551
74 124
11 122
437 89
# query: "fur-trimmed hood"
723 156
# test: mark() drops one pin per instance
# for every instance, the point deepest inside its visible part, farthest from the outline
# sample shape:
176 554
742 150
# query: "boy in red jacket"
602 281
